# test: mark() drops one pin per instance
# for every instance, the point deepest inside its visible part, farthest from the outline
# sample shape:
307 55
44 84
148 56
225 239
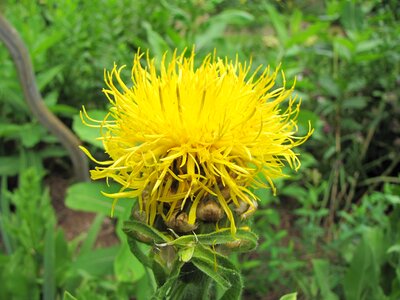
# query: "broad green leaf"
86 196
45 41
137 251
216 25
368 45
292 296
98 262
394 248
352 16
31 134
232 16
364 272
89 134
64 110
305 119
127 267
321 271
91 237
9 130
330 86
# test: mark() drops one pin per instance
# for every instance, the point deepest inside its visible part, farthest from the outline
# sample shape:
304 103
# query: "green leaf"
186 254
343 47
86 196
127 267
394 249
330 86
137 251
162 291
49 285
352 16
278 23
208 267
5 216
88 134
292 296
98 262
68 296
364 271
216 25
156 42
233 17
31 134
92 234
9 130
243 240
45 41
45 77
357 102
139 230
9 165
307 118
220 269
321 271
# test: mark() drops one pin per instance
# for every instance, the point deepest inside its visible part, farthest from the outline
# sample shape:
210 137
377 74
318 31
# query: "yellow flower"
181 134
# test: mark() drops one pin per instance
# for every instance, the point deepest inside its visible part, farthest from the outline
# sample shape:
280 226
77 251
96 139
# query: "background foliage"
333 230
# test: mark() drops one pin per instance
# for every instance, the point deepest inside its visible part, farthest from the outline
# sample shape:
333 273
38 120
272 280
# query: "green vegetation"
333 230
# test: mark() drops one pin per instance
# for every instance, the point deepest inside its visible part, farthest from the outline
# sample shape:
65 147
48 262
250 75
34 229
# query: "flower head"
182 137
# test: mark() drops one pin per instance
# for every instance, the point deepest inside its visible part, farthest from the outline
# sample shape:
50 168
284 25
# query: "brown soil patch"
75 223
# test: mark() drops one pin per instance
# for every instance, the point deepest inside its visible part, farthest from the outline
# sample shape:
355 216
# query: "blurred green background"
333 230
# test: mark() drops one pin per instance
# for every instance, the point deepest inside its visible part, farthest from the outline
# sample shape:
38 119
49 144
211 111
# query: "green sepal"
242 241
186 254
134 247
144 233
163 261
220 269
163 291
